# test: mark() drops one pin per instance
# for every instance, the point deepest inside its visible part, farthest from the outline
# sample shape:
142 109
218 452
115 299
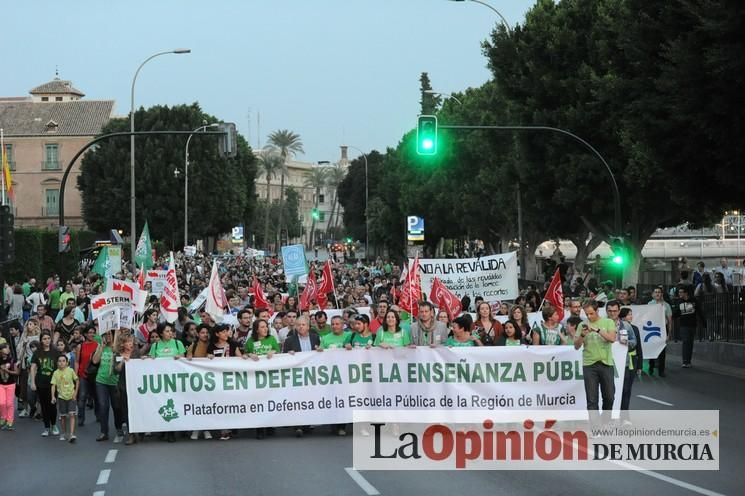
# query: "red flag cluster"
260 300
411 292
326 286
310 293
444 299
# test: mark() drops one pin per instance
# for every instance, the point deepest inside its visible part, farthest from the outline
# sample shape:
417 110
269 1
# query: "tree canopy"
221 190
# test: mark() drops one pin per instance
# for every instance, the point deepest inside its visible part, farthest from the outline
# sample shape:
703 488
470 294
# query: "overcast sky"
334 71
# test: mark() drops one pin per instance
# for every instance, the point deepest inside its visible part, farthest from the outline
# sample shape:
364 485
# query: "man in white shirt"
726 272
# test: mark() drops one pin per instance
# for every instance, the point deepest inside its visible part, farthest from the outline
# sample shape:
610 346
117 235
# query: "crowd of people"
55 366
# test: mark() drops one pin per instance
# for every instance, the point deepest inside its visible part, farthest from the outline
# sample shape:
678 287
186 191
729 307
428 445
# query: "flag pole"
333 284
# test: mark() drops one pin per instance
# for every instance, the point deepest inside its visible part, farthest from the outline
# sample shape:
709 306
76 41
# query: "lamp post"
186 180
446 95
367 221
133 228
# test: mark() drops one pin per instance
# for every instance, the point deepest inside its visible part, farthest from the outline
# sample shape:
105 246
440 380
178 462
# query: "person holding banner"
487 328
391 335
595 336
462 334
427 331
518 315
362 336
338 337
442 316
149 325
198 349
167 346
550 331
125 349
510 335
636 360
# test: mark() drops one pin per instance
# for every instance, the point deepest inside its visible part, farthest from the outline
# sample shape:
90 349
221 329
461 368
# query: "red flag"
260 300
555 294
411 292
141 279
444 299
310 293
326 285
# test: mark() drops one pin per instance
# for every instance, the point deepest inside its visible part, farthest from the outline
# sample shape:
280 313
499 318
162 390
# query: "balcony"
50 165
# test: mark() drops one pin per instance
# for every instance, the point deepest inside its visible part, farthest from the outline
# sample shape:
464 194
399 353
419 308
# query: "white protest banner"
157 279
170 300
493 277
198 301
115 258
108 320
190 251
126 317
326 388
105 302
139 297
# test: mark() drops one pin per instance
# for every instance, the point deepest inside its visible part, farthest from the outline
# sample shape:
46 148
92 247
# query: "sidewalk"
717 357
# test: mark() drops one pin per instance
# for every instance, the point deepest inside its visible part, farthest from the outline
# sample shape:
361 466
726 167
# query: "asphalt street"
320 463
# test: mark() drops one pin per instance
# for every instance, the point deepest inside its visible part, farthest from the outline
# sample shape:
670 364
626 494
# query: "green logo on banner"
168 411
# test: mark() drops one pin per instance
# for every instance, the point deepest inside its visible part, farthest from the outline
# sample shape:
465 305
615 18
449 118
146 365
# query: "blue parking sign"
293 258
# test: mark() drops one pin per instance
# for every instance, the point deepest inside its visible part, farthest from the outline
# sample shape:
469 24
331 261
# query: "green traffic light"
618 260
427 144
426 135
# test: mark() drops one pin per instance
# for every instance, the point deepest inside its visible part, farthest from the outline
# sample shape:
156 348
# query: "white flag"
170 300
216 300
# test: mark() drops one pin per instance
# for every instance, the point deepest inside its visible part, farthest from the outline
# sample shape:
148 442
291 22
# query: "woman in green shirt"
261 343
107 391
510 334
462 334
390 335
168 346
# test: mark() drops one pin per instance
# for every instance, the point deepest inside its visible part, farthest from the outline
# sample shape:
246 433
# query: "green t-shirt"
54 299
323 331
64 297
106 373
263 346
451 341
395 339
26 288
64 380
167 349
362 341
596 348
335 341
550 336
512 342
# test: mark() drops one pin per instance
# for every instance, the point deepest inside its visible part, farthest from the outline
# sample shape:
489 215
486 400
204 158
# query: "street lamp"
133 229
446 95
367 220
501 17
186 180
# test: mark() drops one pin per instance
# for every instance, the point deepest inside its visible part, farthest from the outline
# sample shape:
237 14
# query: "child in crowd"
65 388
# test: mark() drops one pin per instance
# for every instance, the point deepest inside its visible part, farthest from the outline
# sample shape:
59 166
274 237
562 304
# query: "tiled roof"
56 86
74 118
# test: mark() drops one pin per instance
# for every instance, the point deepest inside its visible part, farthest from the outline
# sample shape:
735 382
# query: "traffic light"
315 214
228 142
63 244
7 236
426 135
619 250
348 241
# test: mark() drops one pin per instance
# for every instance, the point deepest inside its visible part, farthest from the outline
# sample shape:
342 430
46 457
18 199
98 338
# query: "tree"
317 181
288 144
430 102
266 225
351 191
271 165
334 176
222 188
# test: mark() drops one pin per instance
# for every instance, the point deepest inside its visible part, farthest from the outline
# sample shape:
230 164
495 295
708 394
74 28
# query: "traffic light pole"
616 193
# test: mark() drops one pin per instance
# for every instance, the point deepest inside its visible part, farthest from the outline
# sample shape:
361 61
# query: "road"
318 463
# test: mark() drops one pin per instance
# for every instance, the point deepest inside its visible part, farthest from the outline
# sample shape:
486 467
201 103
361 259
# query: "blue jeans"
108 396
599 375
87 390
628 381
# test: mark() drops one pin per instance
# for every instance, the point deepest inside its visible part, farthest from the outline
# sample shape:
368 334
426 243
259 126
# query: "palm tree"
316 180
287 144
334 176
271 165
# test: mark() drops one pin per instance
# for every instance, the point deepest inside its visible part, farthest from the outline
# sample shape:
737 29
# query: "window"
45 99
9 156
321 198
57 98
321 216
51 197
51 156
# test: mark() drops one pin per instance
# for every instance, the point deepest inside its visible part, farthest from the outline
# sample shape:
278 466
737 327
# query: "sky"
335 72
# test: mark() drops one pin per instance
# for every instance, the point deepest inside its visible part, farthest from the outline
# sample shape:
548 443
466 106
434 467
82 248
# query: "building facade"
298 173
42 133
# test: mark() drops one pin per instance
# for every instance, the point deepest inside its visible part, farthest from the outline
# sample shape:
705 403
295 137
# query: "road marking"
103 477
111 456
362 482
654 400
99 493
670 480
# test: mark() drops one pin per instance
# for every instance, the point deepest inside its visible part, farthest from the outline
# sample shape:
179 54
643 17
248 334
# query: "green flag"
102 267
144 251
292 288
